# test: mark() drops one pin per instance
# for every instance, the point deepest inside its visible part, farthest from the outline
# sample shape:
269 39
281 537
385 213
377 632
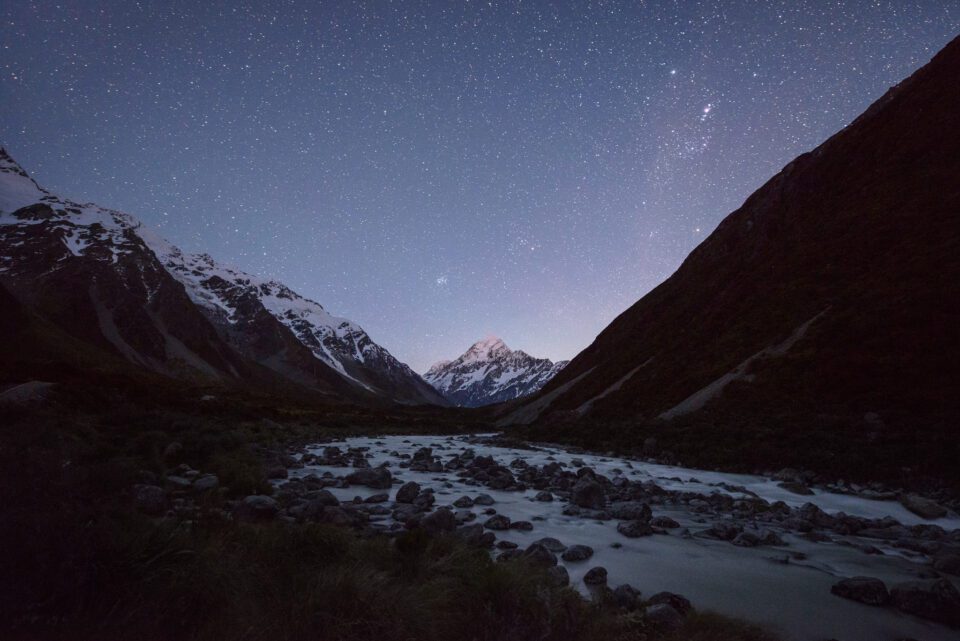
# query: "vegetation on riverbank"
81 563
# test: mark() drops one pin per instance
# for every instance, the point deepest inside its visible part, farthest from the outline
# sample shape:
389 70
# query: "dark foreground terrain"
89 553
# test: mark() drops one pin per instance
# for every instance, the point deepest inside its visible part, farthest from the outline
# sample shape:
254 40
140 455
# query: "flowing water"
790 597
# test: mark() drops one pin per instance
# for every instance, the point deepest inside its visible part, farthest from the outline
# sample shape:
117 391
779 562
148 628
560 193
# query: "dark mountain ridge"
827 306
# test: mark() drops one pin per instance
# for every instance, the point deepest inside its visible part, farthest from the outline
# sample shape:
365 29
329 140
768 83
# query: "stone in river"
408 492
589 494
463 501
634 529
935 599
551 544
539 555
864 589
577 553
596 576
923 507
378 478
497 522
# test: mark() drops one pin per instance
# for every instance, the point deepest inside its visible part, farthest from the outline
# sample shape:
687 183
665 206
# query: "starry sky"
442 171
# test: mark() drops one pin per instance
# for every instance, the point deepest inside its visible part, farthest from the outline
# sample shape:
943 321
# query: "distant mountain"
490 372
820 320
106 280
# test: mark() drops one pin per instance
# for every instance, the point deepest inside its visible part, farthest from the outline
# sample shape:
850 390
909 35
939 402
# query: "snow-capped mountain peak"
490 372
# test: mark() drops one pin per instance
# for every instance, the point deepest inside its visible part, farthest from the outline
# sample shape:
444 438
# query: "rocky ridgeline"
746 521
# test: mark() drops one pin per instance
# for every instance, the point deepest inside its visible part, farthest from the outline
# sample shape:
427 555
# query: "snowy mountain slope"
109 279
490 372
230 297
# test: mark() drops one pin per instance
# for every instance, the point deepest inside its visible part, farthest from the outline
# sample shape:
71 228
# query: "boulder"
796 488
523 526
483 499
922 507
463 501
497 522
441 520
256 509
864 589
150 499
630 511
664 616
634 529
551 544
949 563
934 599
589 494
205 483
626 596
539 555
378 478
577 553
545 497
408 492
678 602
474 535
664 522
596 576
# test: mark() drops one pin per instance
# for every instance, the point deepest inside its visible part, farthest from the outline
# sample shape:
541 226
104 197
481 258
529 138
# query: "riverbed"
785 588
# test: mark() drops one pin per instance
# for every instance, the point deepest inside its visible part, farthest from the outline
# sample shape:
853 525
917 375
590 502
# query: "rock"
551 544
664 522
589 494
179 482
596 576
408 492
276 471
424 500
577 553
441 520
539 555
922 507
746 539
935 599
172 451
463 501
256 509
474 535
325 497
523 526
206 483
559 574
378 478
626 596
864 589
634 529
630 511
664 616
949 563
544 497
679 603
380 497
796 488
507 545
483 499
723 531
497 522
150 499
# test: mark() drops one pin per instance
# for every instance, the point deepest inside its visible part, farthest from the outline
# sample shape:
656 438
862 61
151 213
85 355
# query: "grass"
78 563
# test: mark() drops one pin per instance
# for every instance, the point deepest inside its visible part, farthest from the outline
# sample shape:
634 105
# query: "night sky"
442 171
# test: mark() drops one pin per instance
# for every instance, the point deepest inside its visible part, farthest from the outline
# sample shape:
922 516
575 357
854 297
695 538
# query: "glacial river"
790 597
